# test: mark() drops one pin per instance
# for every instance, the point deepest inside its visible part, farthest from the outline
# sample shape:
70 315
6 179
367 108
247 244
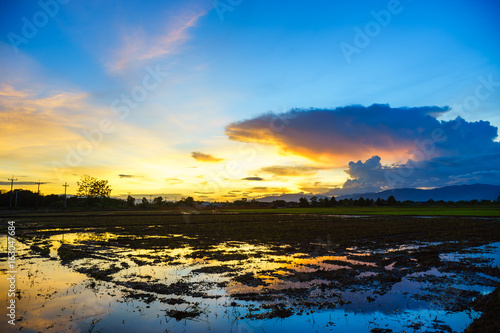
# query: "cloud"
269 190
138 45
291 171
47 122
175 180
22 183
205 157
338 135
400 147
126 176
372 176
259 188
253 179
317 187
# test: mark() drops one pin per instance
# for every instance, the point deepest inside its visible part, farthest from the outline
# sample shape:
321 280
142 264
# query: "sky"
222 100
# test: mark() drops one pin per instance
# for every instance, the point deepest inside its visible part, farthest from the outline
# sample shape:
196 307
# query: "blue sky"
226 67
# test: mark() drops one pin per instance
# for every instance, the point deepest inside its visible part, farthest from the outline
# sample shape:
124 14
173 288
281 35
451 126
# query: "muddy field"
253 273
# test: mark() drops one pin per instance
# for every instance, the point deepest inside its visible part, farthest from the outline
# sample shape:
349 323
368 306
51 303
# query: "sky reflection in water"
56 298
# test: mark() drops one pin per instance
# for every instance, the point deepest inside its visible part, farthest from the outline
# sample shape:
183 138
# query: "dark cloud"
126 176
357 132
291 171
22 183
205 157
253 178
400 147
372 176
259 188
263 189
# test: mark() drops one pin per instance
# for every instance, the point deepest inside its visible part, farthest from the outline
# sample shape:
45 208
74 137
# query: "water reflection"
238 287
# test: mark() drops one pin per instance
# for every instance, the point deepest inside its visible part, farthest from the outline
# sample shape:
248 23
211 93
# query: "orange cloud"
337 136
39 121
205 157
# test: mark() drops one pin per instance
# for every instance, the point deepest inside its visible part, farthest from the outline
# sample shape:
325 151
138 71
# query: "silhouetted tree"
279 203
157 201
391 201
188 201
144 203
346 202
314 201
91 187
324 202
130 201
333 202
303 202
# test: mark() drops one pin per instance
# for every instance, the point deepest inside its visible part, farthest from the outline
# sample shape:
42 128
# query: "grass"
397 210
435 210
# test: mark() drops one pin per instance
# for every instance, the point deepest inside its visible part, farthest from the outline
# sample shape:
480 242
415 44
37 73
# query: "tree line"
93 193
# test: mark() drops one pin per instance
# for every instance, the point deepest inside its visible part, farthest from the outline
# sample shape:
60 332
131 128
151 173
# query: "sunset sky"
229 99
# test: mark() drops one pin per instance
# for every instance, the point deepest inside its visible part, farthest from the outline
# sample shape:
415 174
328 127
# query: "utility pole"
38 192
65 187
11 188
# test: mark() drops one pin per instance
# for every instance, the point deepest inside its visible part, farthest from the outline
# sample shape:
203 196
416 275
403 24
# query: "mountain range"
447 193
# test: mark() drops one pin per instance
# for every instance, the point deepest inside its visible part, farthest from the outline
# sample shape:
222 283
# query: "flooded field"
309 274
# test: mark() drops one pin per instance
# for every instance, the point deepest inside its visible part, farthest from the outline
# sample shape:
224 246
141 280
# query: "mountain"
447 193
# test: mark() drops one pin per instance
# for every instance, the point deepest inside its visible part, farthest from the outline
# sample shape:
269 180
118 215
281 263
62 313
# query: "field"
480 210
253 272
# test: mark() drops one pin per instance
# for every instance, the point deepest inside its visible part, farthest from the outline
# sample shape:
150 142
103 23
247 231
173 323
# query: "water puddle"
110 282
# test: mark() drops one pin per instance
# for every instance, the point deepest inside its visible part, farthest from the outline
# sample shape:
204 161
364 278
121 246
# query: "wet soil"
278 266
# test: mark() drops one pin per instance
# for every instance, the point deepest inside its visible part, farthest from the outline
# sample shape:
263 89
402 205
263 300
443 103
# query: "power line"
39 183
38 192
11 189
65 188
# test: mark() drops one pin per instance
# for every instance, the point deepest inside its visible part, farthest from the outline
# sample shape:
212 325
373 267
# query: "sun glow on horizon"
180 100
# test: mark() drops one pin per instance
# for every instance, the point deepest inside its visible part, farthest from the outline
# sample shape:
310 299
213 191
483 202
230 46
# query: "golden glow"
56 136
